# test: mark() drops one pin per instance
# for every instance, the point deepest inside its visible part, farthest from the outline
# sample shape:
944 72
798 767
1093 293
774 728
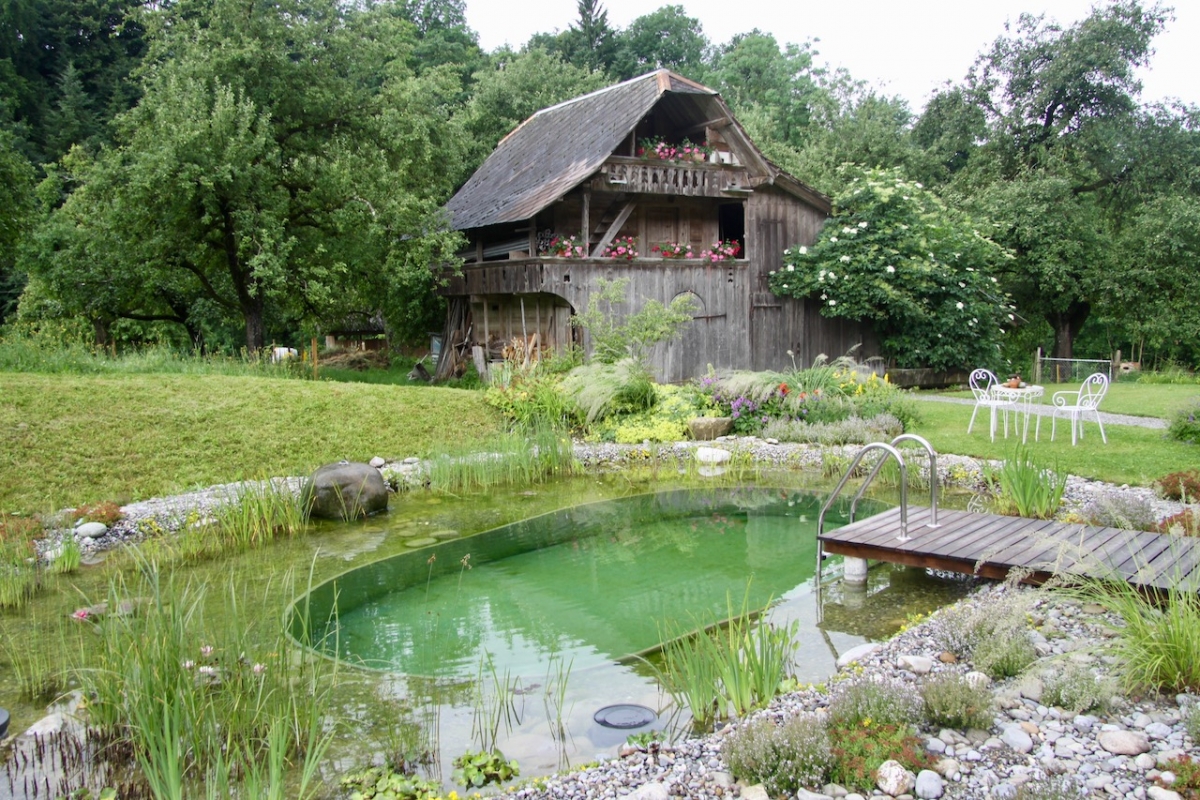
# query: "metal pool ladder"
894 452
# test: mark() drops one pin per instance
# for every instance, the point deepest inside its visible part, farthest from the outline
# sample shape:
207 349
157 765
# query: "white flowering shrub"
895 256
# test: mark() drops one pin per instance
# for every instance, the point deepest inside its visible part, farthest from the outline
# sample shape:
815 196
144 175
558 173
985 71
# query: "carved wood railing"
640 176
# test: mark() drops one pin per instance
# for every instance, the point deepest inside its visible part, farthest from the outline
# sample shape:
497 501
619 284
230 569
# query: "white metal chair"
1075 405
983 385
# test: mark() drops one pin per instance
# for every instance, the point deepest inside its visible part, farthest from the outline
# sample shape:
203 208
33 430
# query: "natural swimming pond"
585 588
590 585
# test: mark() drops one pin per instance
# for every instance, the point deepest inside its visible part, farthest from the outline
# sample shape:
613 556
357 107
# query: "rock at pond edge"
345 490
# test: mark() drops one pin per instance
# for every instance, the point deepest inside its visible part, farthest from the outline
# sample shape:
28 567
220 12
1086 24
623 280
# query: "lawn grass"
67 439
1127 397
1133 455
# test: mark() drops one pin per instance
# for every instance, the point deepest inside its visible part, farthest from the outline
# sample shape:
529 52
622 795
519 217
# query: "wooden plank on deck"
992 545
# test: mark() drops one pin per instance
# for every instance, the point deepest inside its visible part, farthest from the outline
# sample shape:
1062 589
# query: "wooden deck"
991 545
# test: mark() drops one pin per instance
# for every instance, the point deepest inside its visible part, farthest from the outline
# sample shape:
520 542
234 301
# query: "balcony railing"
640 176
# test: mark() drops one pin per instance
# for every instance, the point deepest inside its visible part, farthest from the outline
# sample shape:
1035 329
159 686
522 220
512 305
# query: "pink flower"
206 650
259 669
81 613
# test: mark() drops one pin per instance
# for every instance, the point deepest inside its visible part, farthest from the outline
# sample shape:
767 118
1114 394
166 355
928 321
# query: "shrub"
1004 654
532 400
859 750
784 758
1131 512
1185 523
1181 486
106 512
951 701
14 528
1185 425
1077 689
854 430
1187 775
1054 787
864 703
963 628
599 390
1191 720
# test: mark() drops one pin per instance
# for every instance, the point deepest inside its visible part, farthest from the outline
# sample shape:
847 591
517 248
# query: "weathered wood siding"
776 220
716 336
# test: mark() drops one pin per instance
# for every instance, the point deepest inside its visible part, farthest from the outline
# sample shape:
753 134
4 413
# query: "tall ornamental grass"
1157 646
509 459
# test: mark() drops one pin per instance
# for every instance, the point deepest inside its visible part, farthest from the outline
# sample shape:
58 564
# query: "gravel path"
1046 411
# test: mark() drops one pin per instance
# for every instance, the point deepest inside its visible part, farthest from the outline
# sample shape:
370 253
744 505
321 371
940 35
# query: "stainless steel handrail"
933 477
892 451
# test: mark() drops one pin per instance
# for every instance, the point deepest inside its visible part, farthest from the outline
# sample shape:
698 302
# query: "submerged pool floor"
586 586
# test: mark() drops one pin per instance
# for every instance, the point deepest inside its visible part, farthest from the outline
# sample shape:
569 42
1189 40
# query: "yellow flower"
866 723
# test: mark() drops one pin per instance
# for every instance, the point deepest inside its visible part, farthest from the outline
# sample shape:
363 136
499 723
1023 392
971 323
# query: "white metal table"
1024 398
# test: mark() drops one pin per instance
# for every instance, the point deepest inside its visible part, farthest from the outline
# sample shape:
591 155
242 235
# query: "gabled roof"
559 147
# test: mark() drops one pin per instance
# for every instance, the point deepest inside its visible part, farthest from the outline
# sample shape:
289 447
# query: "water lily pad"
445 533
421 542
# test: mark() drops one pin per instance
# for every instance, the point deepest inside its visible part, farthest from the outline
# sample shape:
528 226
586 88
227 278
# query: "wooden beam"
613 229
587 222
719 122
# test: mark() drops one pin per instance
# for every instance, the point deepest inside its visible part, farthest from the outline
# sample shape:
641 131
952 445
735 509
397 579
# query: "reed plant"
509 459
20 573
495 704
1028 489
70 556
738 665
199 702
37 667
260 512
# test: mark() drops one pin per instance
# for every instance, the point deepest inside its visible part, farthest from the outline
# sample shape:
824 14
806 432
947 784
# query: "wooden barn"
582 168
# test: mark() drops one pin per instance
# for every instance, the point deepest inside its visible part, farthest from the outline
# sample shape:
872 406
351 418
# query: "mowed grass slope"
1128 397
70 439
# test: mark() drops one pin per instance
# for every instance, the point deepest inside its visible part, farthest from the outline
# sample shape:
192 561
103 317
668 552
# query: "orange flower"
783 388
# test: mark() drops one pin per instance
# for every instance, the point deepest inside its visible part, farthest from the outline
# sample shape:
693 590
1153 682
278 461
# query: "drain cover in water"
625 715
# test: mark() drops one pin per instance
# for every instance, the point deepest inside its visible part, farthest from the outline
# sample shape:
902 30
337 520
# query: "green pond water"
589 585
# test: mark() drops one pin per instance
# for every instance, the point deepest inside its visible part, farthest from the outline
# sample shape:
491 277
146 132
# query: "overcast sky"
905 47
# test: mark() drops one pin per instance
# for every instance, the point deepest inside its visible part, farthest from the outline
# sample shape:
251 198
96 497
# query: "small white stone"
892 778
929 785
919 665
650 791
1124 743
90 530
712 455
377 462
856 653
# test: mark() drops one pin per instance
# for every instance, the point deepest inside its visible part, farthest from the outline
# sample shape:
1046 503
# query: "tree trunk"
256 337
1066 327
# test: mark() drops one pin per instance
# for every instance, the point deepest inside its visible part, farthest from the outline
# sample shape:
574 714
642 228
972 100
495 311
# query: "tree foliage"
919 272
283 157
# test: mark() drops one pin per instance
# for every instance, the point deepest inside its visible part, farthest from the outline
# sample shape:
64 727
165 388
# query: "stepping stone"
422 542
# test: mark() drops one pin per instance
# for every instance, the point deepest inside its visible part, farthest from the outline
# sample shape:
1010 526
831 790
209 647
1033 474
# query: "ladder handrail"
889 450
933 477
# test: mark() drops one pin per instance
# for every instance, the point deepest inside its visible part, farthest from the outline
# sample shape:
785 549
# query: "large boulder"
705 429
345 490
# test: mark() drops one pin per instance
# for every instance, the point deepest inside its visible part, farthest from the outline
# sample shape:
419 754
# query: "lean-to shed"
588 168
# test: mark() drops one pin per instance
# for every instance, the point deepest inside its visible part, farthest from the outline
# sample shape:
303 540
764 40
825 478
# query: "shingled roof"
559 147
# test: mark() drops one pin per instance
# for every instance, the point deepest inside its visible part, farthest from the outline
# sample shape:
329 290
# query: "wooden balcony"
641 176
